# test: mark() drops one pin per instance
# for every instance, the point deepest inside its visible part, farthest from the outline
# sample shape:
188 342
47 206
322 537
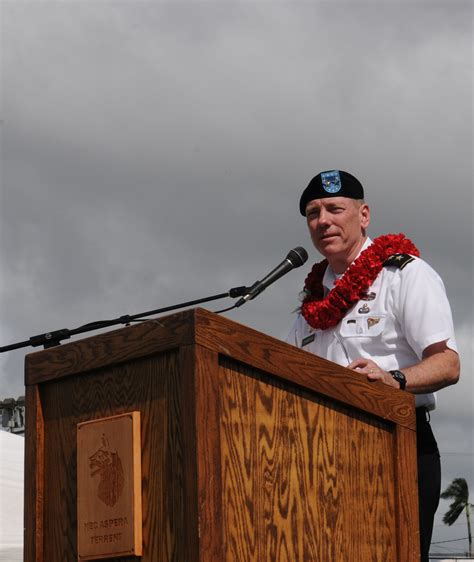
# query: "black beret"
332 183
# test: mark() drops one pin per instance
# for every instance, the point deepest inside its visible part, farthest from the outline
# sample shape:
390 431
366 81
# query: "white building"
11 497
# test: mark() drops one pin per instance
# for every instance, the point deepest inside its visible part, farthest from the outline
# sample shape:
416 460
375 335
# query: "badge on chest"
308 339
369 326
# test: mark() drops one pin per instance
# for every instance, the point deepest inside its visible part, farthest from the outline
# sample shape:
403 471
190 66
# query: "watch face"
400 378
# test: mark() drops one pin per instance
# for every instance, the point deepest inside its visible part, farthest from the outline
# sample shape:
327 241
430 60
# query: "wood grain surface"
150 386
406 495
208 424
111 348
302 479
34 476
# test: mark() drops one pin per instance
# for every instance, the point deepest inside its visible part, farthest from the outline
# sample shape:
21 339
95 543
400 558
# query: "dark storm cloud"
182 134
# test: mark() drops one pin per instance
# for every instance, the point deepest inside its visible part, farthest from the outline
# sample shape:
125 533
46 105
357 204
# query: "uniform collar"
330 277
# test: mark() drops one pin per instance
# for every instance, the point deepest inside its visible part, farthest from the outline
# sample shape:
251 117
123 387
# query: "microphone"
295 258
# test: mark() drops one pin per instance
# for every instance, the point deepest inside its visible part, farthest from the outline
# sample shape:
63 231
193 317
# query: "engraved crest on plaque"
106 464
109 508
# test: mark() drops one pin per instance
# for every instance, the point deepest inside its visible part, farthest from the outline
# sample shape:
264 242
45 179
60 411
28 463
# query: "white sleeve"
422 307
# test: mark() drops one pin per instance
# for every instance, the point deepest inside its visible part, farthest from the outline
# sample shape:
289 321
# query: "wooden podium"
251 450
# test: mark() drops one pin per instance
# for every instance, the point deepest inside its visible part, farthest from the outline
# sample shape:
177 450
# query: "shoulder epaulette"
399 260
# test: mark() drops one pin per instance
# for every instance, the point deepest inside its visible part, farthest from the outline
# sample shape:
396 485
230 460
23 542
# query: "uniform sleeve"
422 307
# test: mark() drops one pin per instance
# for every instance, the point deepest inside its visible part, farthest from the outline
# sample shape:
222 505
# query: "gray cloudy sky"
155 152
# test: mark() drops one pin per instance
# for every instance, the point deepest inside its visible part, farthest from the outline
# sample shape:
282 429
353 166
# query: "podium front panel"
301 477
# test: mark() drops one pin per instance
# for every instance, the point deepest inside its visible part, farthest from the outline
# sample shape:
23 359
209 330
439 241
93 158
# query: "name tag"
308 339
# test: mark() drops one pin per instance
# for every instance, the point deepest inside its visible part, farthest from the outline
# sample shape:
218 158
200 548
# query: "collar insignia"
399 260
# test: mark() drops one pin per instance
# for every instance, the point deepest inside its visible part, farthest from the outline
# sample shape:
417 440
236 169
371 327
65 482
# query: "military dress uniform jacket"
404 311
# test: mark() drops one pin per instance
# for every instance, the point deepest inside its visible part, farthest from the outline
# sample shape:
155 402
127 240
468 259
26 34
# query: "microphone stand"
51 339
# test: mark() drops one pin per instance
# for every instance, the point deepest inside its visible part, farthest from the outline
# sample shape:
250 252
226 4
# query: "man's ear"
364 214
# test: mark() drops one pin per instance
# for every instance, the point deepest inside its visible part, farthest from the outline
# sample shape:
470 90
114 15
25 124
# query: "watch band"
400 378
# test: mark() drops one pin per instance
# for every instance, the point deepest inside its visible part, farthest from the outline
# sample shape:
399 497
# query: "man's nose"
323 218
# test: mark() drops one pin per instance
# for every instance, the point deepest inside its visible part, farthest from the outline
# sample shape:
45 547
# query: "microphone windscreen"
297 256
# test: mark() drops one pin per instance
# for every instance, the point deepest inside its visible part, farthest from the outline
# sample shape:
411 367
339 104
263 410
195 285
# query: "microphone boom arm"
51 339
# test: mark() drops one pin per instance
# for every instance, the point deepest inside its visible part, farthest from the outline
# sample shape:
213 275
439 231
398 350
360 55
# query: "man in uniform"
377 308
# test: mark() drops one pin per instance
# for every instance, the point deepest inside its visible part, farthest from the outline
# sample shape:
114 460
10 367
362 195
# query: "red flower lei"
323 312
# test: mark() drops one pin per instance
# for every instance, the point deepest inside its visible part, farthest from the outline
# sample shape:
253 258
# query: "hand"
373 371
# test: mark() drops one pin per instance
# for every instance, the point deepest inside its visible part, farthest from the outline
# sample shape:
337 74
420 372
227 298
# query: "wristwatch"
400 378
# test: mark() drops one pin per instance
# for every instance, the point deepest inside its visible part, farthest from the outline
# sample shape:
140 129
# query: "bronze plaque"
109 499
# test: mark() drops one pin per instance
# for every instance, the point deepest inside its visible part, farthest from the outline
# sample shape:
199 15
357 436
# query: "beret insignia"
331 181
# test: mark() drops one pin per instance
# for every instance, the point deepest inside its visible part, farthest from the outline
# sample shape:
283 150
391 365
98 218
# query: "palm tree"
458 491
